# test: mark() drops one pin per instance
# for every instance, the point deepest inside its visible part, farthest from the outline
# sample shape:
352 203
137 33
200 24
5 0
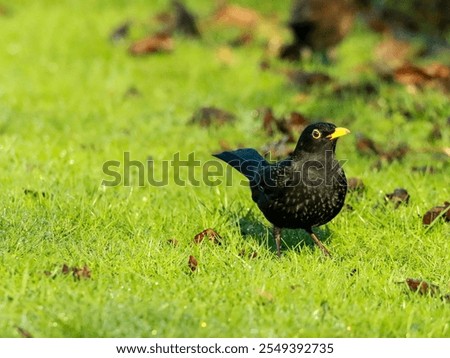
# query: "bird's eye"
316 134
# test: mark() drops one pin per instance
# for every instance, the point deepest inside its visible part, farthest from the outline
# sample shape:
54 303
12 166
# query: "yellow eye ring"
316 134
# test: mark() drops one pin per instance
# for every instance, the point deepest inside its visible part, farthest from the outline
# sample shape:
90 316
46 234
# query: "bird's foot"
277 236
321 246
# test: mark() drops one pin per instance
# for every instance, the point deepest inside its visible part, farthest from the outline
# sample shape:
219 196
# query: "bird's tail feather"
247 161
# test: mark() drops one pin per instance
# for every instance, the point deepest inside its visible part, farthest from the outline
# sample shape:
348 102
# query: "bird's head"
319 137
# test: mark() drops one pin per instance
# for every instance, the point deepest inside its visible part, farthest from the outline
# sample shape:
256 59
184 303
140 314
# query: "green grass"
63 113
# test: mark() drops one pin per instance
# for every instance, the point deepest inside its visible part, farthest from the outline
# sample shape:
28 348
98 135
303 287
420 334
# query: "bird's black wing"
272 182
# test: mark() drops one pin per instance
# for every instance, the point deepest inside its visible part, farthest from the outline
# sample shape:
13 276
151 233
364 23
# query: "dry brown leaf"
78 273
422 287
395 154
411 75
210 234
235 15
192 263
399 196
290 126
438 70
435 212
65 269
83 272
435 76
156 43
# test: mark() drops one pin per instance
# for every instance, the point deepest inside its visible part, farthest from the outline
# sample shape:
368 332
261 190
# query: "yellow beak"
338 132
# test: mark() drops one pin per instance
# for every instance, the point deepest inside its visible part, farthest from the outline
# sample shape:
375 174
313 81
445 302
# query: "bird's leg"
319 243
277 236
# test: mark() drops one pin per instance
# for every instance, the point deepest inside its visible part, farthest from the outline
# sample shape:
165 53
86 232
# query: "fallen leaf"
434 76
365 145
80 273
234 15
435 212
398 197
438 70
192 263
210 234
207 116
411 75
157 43
65 269
297 122
397 153
290 126
24 333
422 287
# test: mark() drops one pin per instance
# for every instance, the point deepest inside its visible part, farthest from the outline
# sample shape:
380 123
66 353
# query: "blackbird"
318 25
303 191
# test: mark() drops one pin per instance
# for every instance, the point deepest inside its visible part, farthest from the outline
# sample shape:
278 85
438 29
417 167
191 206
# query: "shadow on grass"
292 239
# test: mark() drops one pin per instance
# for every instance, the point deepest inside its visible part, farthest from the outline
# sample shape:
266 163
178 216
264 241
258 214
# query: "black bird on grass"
318 25
301 192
